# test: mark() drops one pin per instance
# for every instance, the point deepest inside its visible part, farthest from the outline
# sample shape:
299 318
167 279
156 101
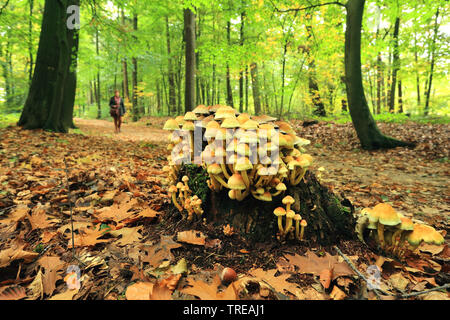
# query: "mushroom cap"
221 134
303 223
201 109
210 133
190 116
213 124
243 117
180 185
232 194
250 125
249 137
260 190
406 224
173 189
426 233
188 126
171 125
290 214
230 123
285 127
281 187
243 164
214 169
185 179
180 120
266 196
279 212
387 215
297 217
236 182
288 200
243 149
292 164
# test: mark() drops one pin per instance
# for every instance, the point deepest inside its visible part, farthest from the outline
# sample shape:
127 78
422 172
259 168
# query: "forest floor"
126 249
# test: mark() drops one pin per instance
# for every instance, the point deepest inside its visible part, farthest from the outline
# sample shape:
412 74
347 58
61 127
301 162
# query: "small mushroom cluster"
189 205
290 217
249 155
393 231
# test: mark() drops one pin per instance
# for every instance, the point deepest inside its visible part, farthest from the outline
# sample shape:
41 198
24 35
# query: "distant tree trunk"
319 107
395 65
30 41
125 84
229 89
172 97
416 59
135 75
433 53
368 133
246 88
255 87
241 69
158 97
400 97
189 37
47 106
99 96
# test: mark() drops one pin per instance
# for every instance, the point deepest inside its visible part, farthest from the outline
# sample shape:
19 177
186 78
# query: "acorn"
228 275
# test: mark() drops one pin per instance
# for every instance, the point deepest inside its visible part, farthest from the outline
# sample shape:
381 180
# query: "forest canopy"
293 51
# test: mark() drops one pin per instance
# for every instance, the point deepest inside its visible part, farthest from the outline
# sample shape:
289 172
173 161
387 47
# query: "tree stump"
329 218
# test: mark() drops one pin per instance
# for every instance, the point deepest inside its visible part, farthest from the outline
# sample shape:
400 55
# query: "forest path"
130 132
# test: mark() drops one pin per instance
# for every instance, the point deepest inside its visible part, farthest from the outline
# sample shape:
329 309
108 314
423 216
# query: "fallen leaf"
206 291
139 291
39 220
325 277
313 264
16 253
398 281
129 235
337 294
156 254
88 238
67 295
12 293
278 283
36 287
192 237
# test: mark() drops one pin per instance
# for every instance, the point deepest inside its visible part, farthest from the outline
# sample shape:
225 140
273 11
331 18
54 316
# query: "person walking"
117 110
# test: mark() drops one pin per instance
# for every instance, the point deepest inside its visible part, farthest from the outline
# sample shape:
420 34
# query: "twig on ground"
352 266
414 294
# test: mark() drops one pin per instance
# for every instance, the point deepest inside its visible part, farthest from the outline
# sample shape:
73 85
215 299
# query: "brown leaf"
337 294
67 295
16 253
129 235
315 265
325 277
88 238
12 293
159 252
278 283
163 290
192 237
206 291
39 220
139 291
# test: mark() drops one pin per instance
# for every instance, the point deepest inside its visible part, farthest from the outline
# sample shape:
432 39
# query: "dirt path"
130 132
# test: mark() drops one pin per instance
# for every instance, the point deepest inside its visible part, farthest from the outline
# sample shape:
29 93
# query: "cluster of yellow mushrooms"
291 217
249 155
394 232
184 201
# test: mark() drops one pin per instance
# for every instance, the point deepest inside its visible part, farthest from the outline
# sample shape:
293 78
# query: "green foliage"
198 178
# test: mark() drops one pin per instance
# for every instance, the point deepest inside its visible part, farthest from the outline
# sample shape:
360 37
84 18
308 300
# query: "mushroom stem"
224 170
297 229
288 225
300 177
302 233
380 230
245 177
396 238
223 183
175 202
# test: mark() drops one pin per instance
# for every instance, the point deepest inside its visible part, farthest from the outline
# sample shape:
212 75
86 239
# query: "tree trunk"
400 97
329 220
229 89
99 95
30 41
172 97
255 87
367 130
47 106
135 75
433 53
189 37
395 65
